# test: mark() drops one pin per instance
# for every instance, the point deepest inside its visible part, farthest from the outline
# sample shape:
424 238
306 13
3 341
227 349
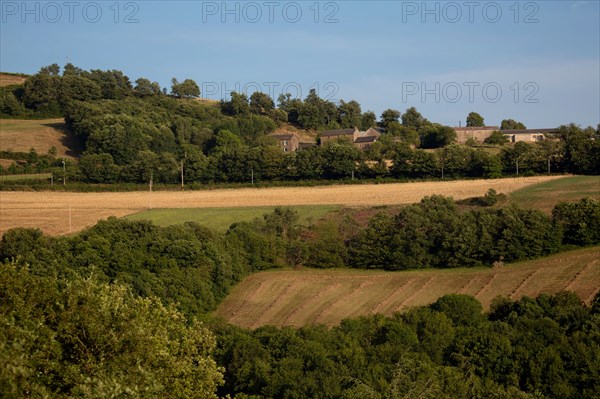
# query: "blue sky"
534 61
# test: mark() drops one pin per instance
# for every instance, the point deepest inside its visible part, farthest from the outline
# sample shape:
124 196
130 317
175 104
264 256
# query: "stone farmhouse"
528 135
291 142
480 133
361 139
477 133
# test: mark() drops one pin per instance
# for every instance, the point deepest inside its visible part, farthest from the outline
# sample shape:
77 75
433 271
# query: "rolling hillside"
64 212
41 134
7 79
302 297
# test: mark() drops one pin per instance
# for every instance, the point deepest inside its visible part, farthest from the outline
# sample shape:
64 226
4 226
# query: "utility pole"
64 173
150 195
70 224
252 176
184 157
517 166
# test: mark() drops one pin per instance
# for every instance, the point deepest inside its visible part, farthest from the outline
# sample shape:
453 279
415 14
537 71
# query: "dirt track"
50 210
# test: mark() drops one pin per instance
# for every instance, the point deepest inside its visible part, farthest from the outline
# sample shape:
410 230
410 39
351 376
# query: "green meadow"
221 218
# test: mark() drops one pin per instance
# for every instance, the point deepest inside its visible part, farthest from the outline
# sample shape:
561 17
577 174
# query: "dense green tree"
120 136
114 84
325 249
474 119
367 120
413 119
70 69
41 92
10 105
579 221
511 124
144 88
496 138
413 163
582 149
372 248
98 168
51 70
310 163
78 88
186 89
340 160
389 116
520 158
86 338
463 310
261 103
238 105
349 114
436 136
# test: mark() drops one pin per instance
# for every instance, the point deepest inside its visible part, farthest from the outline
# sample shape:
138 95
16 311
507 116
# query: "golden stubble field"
7 79
64 212
304 297
40 134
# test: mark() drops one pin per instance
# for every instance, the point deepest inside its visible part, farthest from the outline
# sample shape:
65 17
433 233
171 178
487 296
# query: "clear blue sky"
534 61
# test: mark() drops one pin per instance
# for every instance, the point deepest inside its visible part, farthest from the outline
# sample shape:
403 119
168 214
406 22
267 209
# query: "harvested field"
309 296
22 135
49 210
7 79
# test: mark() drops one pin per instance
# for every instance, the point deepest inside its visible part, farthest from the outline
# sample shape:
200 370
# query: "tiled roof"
468 128
366 139
528 131
371 132
283 136
339 132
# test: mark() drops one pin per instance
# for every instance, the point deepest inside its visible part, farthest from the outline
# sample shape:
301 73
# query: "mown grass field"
309 296
544 196
41 134
221 218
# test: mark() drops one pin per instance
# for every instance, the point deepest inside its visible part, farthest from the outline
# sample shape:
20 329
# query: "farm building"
528 135
477 133
292 142
289 142
480 133
361 139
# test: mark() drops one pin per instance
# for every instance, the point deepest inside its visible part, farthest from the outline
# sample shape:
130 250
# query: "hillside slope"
7 79
62 212
40 134
301 297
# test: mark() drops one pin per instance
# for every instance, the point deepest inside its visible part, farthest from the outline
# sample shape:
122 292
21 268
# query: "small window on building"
284 142
285 149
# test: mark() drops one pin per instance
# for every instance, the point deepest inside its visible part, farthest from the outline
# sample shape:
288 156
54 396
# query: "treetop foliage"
134 131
